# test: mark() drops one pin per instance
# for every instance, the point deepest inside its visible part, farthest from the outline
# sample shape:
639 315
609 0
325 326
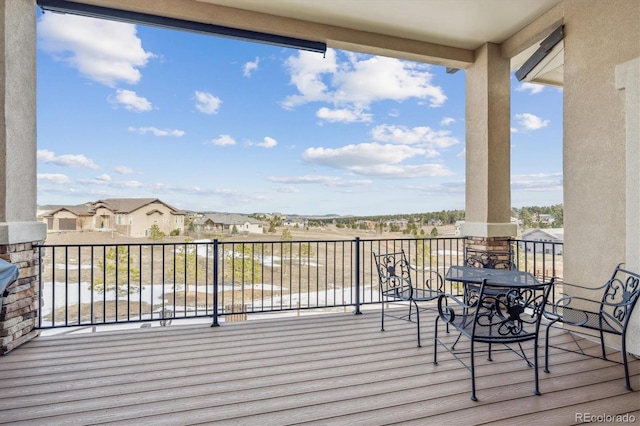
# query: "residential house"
132 217
546 219
546 237
228 223
68 218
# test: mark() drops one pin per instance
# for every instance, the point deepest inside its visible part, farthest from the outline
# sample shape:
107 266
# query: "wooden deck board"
313 369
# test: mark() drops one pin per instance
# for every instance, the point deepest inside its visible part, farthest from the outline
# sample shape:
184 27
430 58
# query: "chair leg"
417 320
624 361
435 343
604 353
535 367
473 374
382 319
546 347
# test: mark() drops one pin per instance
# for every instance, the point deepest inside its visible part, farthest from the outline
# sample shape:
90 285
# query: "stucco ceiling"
458 23
465 24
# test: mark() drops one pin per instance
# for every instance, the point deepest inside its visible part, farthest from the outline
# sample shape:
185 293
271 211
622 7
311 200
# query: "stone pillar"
20 301
489 244
18 227
488 150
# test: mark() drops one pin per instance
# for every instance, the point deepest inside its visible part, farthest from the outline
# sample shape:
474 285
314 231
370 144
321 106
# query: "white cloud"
311 179
250 67
364 154
405 171
56 178
124 170
343 115
222 140
318 179
422 136
288 189
447 120
105 51
537 182
268 142
67 160
530 121
374 159
105 180
359 80
530 87
157 132
131 101
206 103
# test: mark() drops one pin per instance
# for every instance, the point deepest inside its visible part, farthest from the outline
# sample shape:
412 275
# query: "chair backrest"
506 314
490 259
393 271
619 298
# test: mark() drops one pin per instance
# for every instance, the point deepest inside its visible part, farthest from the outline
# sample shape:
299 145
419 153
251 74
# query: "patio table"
506 277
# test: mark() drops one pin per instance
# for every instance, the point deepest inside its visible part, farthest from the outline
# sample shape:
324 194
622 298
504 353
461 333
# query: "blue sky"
213 124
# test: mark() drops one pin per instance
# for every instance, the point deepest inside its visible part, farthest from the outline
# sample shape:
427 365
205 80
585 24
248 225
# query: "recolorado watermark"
605 418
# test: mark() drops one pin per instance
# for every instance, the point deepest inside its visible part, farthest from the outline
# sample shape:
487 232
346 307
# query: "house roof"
227 219
79 210
128 205
553 233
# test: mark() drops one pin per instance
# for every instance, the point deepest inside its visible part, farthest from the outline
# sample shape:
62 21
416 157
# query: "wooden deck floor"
314 369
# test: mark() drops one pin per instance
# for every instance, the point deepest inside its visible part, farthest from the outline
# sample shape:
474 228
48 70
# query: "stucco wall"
594 134
599 36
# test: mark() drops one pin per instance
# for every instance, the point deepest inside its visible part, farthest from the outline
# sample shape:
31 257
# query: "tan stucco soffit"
533 33
333 36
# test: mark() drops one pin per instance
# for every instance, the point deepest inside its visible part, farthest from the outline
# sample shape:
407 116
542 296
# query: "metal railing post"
215 284
357 276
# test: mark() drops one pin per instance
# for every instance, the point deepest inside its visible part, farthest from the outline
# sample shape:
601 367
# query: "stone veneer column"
489 243
18 227
20 301
488 150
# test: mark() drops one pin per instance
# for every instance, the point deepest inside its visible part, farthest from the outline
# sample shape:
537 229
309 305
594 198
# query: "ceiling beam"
333 36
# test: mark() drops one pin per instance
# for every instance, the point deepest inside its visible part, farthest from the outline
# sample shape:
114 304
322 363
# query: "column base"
481 229
22 232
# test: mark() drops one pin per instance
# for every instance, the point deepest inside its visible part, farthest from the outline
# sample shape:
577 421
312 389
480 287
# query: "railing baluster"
284 276
357 275
216 262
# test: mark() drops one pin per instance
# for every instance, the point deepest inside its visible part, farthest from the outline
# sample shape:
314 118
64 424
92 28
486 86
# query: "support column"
19 229
488 150
628 79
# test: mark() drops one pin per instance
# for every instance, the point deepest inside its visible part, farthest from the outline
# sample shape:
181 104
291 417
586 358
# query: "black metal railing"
86 285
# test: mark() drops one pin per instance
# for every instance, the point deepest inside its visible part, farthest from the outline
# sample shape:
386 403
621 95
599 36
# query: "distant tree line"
415 223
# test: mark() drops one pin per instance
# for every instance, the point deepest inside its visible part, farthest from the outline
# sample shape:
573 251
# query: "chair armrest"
583 287
447 312
566 301
438 278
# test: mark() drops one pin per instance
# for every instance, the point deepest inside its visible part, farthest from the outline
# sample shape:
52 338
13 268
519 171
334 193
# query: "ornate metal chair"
396 287
494 314
491 259
609 315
